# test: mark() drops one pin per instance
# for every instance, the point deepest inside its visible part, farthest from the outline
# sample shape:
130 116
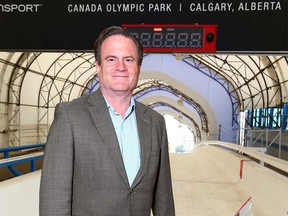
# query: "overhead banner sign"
72 25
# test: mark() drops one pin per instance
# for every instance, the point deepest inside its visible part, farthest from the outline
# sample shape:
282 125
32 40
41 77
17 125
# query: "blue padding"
17 148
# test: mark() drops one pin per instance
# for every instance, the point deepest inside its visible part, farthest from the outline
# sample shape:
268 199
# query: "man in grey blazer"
107 154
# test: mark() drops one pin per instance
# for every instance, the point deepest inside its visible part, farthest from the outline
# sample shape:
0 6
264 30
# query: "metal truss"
163 104
199 63
53 90
60 79
250 81
149 85
20 69
269 139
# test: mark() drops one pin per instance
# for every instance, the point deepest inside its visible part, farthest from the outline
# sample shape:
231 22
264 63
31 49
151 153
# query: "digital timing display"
175 38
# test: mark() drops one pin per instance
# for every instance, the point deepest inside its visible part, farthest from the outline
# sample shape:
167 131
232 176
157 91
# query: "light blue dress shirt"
128 139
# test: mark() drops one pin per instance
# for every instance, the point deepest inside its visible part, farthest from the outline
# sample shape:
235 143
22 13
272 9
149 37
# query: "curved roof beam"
17 76
205 67
74 68
158 104
246 71
13 95
146 86
275 80
223 65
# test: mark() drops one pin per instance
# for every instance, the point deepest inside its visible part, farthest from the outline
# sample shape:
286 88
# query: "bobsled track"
214 179
207 183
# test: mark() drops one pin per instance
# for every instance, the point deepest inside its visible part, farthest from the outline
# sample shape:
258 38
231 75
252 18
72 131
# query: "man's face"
119 69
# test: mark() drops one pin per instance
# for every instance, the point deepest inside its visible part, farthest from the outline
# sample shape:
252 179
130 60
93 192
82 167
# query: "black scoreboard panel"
73 25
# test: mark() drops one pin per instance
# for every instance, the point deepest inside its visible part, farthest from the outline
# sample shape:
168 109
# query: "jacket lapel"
100 115
144 130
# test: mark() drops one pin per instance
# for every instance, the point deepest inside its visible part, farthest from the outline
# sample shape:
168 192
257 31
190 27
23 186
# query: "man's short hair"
116 30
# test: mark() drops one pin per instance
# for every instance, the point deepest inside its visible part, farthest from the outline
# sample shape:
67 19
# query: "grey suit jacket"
83 172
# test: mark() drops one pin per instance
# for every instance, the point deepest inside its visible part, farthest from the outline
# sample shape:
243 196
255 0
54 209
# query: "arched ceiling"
255 81
252 81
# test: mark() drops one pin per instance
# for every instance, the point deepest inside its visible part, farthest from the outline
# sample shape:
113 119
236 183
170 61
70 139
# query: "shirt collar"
130 108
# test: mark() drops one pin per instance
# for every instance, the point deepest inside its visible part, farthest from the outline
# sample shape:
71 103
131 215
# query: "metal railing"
264 158
9 162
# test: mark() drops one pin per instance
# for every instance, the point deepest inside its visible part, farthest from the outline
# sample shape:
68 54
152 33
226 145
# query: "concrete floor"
206 182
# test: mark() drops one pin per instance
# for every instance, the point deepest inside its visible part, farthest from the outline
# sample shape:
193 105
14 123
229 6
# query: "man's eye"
111 60
128 60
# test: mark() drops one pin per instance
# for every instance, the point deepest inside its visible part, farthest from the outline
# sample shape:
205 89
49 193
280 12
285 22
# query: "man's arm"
57 170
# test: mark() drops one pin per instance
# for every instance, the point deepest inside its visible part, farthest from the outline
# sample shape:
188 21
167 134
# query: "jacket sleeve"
164 201
57 171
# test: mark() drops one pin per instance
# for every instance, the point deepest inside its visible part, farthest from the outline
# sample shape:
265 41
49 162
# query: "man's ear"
97 65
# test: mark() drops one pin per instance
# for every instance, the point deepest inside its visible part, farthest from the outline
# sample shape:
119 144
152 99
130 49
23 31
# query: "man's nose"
121 65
